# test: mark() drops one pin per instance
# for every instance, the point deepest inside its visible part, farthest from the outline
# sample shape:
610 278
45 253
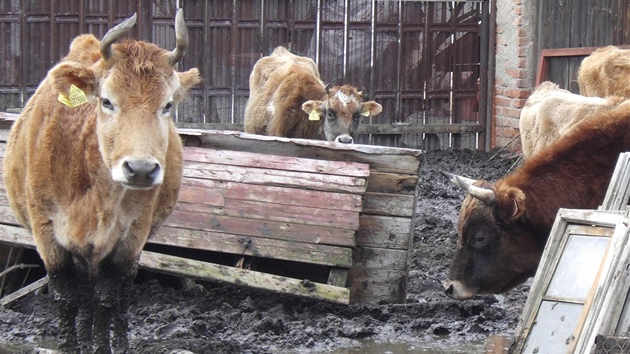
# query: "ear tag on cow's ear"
313 115
365 113
64 99
76 97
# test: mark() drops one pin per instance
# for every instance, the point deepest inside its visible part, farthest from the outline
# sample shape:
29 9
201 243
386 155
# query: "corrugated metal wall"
420 59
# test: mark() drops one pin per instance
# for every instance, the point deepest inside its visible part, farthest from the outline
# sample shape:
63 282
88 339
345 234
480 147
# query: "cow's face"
136 90
494 251
341 113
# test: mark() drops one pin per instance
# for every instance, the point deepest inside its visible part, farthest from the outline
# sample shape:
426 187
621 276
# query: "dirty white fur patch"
343 98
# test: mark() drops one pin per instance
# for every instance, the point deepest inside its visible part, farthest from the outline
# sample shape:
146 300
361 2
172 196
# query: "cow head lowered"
495 250
341 112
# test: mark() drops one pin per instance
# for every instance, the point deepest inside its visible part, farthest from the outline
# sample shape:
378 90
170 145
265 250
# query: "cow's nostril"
448 290
128 170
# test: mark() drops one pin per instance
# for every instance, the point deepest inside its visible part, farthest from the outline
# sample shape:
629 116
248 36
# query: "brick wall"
515 68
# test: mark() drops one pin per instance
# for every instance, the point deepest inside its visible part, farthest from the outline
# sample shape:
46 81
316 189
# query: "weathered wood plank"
383 232
388 204
338 277
266 211
380 158
16 236
254 246
275 162
208 271
278 178
279 195
24 291
256 228
376 284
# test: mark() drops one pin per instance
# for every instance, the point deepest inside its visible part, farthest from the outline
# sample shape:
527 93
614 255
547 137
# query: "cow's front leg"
106 296
120 341
85 317
64 285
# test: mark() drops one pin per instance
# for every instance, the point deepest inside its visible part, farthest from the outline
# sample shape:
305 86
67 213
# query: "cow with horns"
287 98
503 227
93 166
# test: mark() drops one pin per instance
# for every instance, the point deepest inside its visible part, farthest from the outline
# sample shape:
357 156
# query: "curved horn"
328 85
483 194
113 34
453 178
181 33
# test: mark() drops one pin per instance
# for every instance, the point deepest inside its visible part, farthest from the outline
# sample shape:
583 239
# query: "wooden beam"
24 291
208 271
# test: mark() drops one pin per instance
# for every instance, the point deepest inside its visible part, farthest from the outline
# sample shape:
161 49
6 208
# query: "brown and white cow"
93 165
287 98
606 72
503 227
550 112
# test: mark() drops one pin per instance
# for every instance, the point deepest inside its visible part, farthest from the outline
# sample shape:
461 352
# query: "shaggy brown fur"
501 238
286 88
91 182
551 111
606 72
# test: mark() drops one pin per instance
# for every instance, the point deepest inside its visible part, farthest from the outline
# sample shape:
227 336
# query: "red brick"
518 93
517 74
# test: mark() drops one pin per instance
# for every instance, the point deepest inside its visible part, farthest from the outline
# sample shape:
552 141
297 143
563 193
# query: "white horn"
483 194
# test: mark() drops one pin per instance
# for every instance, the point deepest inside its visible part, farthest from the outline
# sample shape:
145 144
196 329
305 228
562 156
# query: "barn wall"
525 28
422 60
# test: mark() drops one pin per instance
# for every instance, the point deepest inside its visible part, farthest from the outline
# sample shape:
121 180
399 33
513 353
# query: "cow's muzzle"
138 173
344 139
458 291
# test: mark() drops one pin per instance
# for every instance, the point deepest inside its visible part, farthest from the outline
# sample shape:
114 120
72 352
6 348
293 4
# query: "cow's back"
550 112
606 72
279 84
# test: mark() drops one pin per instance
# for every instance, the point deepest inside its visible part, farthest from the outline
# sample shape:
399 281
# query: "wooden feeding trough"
311 218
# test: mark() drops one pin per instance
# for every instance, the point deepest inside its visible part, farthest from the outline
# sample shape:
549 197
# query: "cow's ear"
66 74
313 108
511 202
370 108
187 79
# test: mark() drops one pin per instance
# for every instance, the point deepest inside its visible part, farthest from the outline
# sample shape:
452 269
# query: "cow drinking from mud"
503 227
287 98
93 166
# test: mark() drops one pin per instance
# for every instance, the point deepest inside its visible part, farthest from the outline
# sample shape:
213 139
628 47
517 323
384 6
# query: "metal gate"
426 62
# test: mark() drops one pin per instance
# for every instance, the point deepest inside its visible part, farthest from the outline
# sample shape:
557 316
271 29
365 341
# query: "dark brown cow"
288 99
503 227
93 165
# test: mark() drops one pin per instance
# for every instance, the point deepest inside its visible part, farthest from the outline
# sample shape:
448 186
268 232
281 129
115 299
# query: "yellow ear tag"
64 99
77 96
313 115
365 113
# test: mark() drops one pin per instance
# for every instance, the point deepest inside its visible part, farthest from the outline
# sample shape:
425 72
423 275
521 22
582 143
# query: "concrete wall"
516 63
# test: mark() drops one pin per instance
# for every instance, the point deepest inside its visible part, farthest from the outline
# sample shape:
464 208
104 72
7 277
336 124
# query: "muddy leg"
65 288
120 341
85 318
107 295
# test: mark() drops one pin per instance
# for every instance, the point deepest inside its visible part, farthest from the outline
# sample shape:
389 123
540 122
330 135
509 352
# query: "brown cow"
551 111
606 72
287 98
92 166
503 227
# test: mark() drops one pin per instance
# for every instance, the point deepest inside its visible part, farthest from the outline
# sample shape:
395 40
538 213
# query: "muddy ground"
216 318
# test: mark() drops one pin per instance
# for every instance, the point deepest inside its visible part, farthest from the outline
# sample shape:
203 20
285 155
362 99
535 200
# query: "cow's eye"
167 108
107 104
479 240
330 115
